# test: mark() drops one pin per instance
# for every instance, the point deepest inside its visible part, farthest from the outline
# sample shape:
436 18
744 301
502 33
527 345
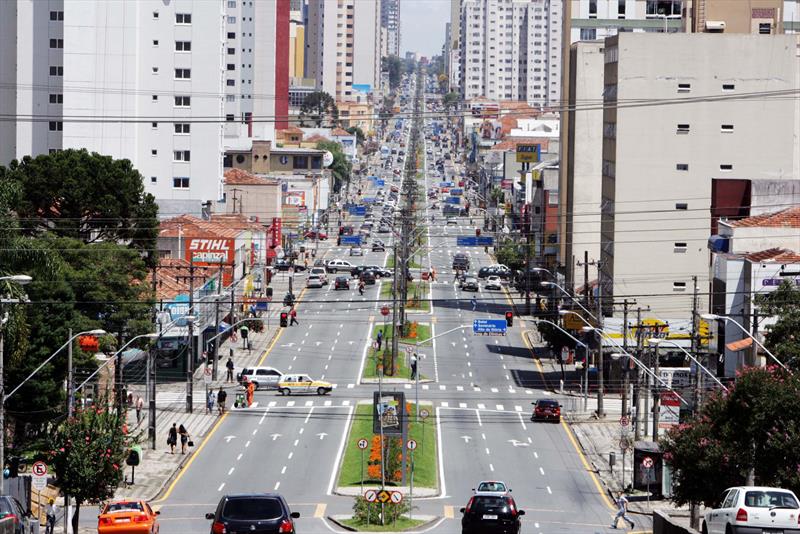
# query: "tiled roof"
340 132
237 222
188 226
242 177
294 130
316 138
172 278
787 218
777 255
510 143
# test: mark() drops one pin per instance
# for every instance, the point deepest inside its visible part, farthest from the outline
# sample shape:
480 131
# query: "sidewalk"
158 467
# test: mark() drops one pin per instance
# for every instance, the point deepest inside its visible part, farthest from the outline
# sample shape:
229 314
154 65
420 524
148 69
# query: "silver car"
356 251
314 281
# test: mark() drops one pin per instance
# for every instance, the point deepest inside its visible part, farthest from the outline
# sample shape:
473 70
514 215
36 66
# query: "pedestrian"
210 401
474 303
293 316
229 367
139 406
172 438
184 438
222 396
244 332
379 339
361 287
433 274
413 366
622 511
50 514
251 389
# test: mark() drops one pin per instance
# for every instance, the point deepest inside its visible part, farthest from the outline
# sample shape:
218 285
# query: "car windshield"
490 505
547 404
770 499
252 508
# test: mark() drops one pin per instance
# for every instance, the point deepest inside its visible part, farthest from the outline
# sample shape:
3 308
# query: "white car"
356 251
753 509
319 271
335 266
493 282
314 281
492 487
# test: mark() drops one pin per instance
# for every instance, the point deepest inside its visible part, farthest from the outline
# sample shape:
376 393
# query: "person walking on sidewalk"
210 401
172 438
622 511
139 406
50 514
293 316
222 396
184 438
229 367
413 366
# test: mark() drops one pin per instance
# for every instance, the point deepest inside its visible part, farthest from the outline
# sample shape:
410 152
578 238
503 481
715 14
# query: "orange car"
127 517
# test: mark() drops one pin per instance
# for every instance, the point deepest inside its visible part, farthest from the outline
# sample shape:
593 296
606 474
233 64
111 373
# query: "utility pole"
637 379
2 409
626 367
70 393
694 510
215 354
600 364
656 395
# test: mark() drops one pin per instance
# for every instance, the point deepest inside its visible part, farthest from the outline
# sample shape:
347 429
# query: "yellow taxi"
298 384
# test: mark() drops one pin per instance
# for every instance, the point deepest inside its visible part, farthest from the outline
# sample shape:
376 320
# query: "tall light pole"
713 316
190 363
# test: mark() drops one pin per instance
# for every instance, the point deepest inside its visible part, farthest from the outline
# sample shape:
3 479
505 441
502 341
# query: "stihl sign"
208 245
210 251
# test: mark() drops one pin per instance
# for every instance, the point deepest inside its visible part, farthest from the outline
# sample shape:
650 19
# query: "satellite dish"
327 159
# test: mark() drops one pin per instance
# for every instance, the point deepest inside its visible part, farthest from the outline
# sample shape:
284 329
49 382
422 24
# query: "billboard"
528 153
294 198
389 414
209 252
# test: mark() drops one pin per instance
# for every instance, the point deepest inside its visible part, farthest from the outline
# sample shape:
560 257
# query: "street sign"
489 326
409 350
39 476
623 421
647 462
446 184
207 375
358 210
411 444
423 414
351 240
452 200
385 310
384 496
375 345
456 191
362 444
473 241
396 497
371 495
380 183
528 153
623 444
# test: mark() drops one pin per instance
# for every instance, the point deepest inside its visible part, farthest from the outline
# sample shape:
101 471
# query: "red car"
546 410
322 236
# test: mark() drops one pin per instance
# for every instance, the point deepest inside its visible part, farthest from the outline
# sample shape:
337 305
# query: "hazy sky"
422 26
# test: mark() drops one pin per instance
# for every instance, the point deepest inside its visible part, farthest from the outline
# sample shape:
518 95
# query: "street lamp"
190 319
600 370
714 316
658 341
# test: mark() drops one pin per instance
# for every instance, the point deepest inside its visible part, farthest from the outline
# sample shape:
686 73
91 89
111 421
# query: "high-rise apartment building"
333 59
511 50
133 79
390 19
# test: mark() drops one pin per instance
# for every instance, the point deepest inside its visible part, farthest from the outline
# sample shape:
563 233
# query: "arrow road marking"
466 439
229 438
518 443
322 435
289 344
275 436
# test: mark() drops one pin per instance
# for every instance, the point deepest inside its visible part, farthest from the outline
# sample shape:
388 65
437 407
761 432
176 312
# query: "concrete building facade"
390 19
662 166
511 50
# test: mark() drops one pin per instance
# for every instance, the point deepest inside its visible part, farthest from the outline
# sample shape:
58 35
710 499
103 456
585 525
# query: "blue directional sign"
369 200
358 210
489 326
473 241
351 240
380 183
445 184
373 178
456 192
452 200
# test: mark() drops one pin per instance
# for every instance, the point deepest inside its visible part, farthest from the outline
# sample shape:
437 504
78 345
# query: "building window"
621 8
316 162
231 20
682 167
764 28
684 87
154 152
56 98
300 162
679 286
230 98
588 34
231 51
728 87
229 117
56 43
231 4
681 206
180 182
56 15
183 101
56 126
154 70
231 35
679 247
726 128
154 98
153 179
155 42
183 18
181 155
683 129
231 66
592 9
155 14
154 125
230 83
183 74
182 127
183 46
726 167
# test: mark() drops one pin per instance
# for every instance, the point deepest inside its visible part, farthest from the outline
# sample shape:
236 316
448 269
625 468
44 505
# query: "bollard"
612 459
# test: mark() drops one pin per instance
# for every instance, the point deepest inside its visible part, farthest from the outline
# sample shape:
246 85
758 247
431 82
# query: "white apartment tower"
390 19
511 50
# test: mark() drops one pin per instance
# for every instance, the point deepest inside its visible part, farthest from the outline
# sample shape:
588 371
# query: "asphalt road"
482 395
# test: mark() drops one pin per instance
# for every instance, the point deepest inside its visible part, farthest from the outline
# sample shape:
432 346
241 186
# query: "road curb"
336 520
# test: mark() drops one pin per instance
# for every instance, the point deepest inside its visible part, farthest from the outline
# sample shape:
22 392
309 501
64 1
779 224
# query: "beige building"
763 17
263 158
297 44
666 168
252 196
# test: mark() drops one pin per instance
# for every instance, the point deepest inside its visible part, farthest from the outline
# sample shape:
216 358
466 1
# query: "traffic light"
284 319
509 318
13 467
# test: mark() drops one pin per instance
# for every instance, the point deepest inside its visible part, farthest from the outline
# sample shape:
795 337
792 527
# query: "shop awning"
741 344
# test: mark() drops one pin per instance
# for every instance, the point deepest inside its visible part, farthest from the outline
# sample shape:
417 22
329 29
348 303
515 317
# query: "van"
261 377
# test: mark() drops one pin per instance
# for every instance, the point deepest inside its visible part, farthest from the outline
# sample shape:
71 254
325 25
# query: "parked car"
493 282
284 265
753 509
10 506
546 410
356 251
341 282
490 514
261 377
300 383
259 513
134 516
314 281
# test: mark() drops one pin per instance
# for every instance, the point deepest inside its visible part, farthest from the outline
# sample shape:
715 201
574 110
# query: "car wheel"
321 391
283 391
728 529
704 528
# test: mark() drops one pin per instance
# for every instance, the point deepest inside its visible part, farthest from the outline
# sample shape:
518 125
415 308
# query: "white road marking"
328 403
462 404
283 471
231 470
445 404
491 468
518 408
302 429
221 486
309 415
290 456
296 442
459 388
277 485
239 457
309 403
495 390
442 387
270 404
481 406
480 423
535 455
346 403
247 444
425 386
408 386
487 451
549 490
500 408
541 470
349 386
289 404
255 431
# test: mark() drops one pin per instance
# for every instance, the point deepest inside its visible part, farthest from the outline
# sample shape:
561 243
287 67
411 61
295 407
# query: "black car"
460 261
377 246
491 514
546 410
484 272
259 513
356 272
368 277
341 282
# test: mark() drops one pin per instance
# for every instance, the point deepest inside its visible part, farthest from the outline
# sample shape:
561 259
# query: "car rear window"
494 505
124 507
548 404
255 508
766 499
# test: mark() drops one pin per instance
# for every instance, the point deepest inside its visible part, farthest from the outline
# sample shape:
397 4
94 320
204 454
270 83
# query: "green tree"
754 429
319 108
394 66
341 166
86 196
88 453
451 100
359 133
783 337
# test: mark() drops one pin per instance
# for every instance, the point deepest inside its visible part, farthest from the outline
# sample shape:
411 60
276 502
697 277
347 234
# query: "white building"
390 20
669 170
511 50
598 19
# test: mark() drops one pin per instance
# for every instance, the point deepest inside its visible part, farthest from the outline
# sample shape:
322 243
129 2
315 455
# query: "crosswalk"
300 402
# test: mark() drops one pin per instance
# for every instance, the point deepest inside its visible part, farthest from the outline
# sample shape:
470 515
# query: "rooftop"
776 255
173 277
242 177
511 143
340 132
188 226
786 218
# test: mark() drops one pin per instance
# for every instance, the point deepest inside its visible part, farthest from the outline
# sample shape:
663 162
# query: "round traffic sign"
385 310
370 495
397 497
411 444
623 444
423 413
362 444
39 469
409 350
647 462
623 421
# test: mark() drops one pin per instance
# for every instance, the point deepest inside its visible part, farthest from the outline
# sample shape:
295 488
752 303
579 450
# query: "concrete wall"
663 524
